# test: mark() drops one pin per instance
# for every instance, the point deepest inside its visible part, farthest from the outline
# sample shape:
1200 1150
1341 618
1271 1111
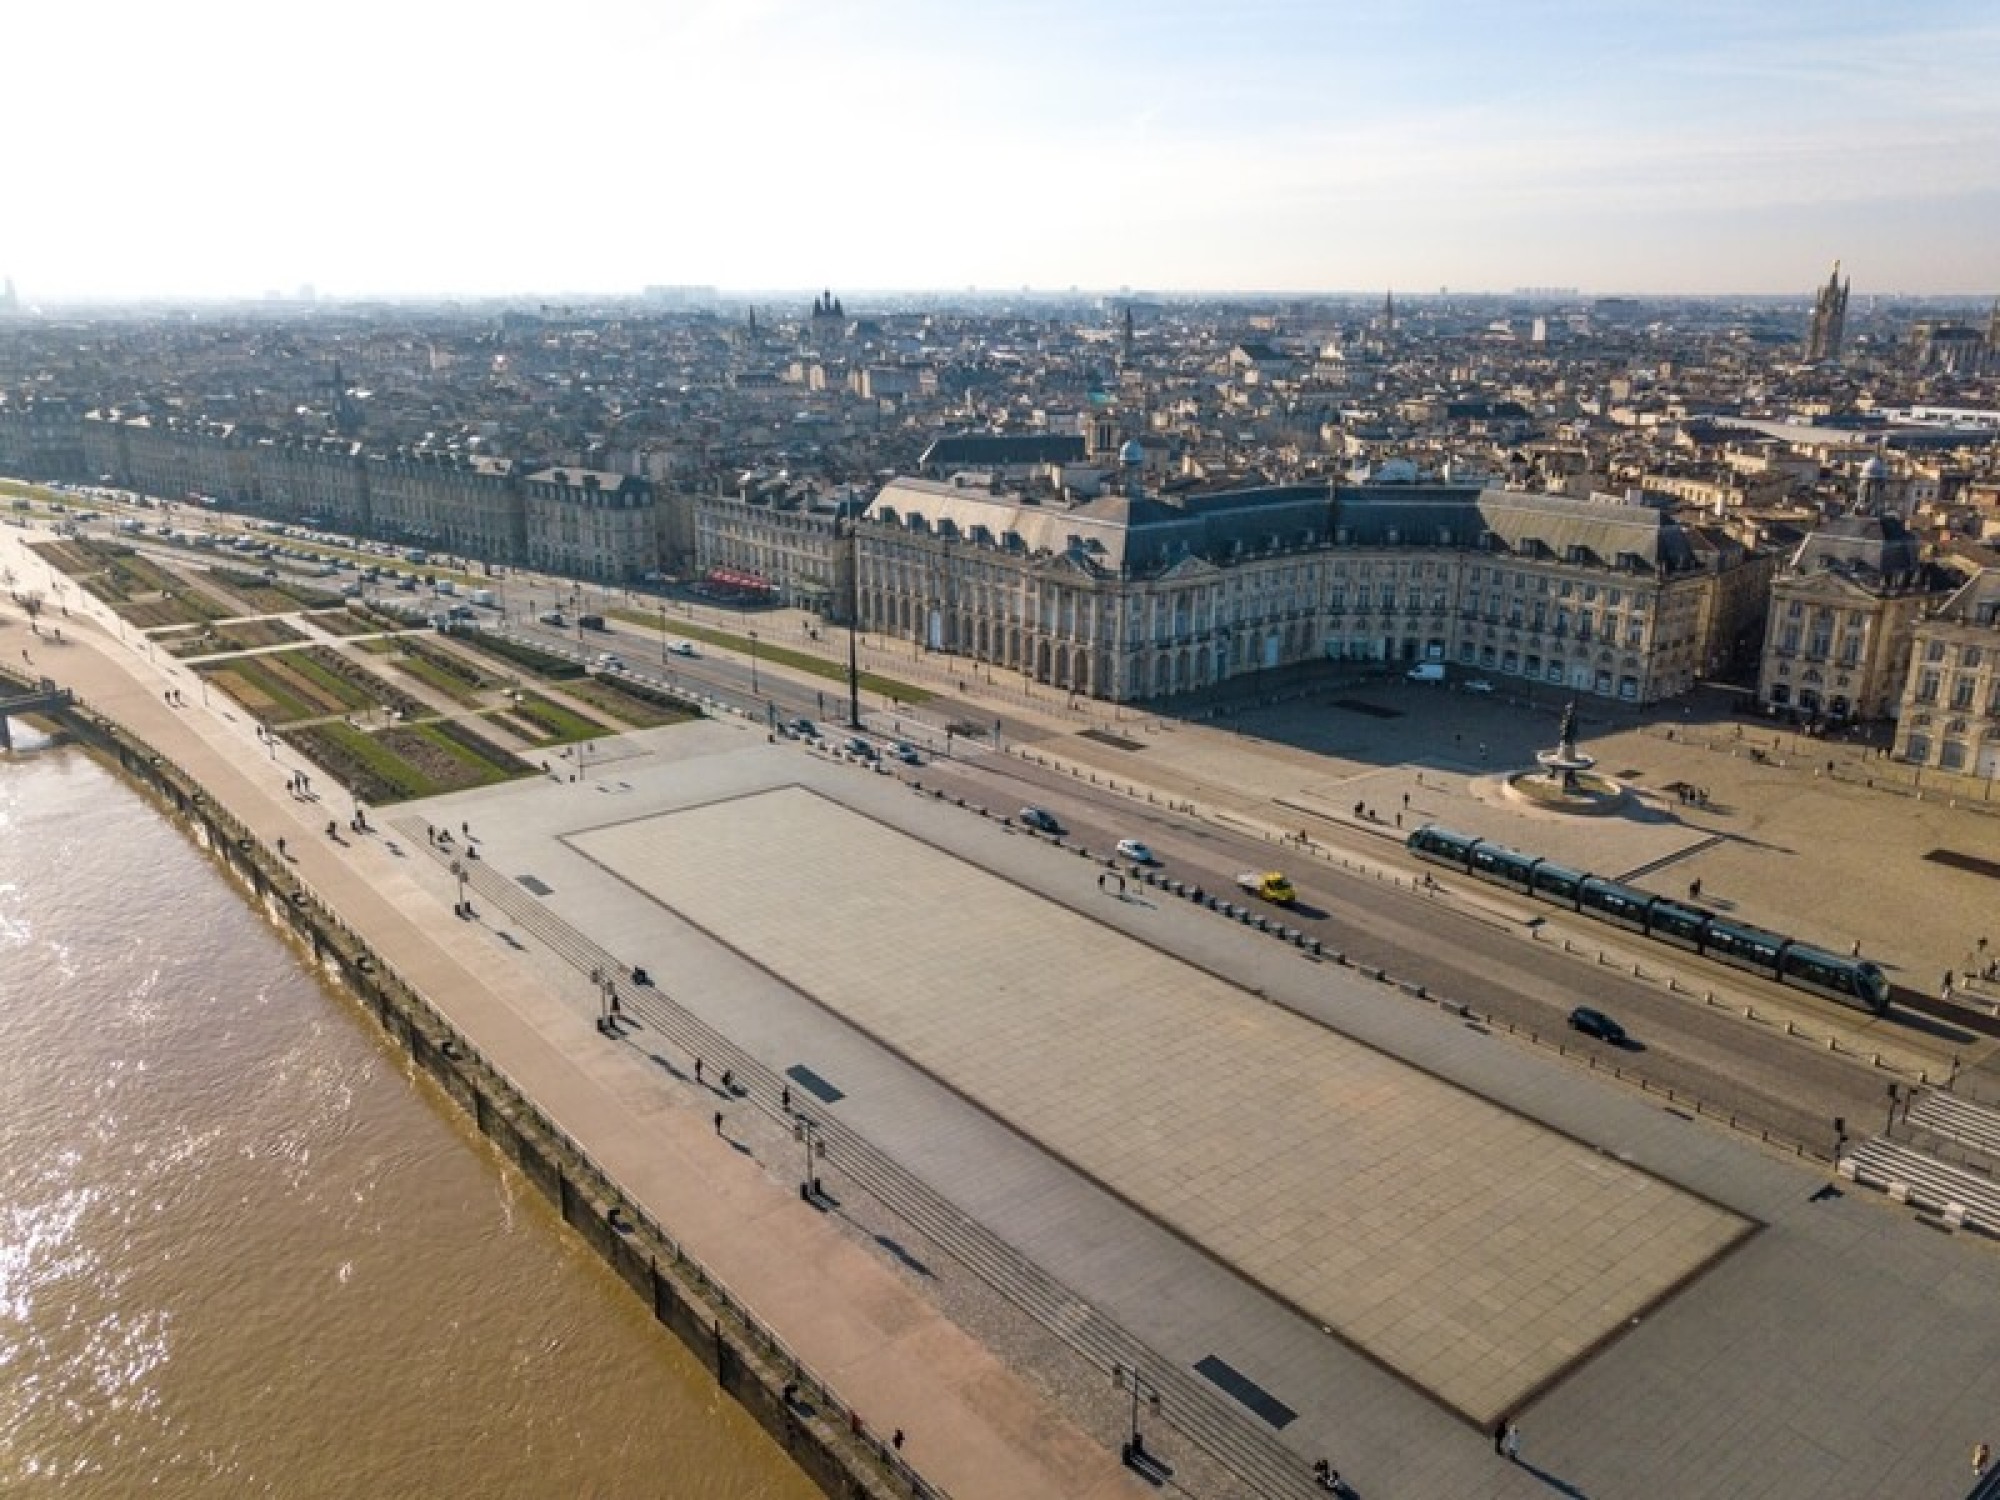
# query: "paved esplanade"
1469 1249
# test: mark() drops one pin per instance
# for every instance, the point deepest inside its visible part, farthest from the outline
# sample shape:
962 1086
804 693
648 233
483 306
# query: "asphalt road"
1465 953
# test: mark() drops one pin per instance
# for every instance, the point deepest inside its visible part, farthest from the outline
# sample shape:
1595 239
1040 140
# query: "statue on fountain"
1565 761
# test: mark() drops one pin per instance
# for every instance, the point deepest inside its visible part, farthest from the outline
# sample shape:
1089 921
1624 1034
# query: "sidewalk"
976 1428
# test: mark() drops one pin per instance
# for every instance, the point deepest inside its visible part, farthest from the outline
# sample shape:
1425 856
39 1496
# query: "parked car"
1040 819
804 728
1477 685
1136 852
1429 671
553 617
858 746
907 753
1596 1023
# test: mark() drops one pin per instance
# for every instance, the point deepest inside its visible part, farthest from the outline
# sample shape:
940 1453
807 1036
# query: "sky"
228 148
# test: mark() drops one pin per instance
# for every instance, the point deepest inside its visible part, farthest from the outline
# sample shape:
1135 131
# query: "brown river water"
245 1251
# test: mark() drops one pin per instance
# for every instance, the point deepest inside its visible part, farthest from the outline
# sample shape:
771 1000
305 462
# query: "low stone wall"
829 1442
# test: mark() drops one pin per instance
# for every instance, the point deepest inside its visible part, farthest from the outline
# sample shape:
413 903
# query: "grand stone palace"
1133 595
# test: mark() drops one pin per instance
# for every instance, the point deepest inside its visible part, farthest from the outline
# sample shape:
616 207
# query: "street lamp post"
663 633
753 663
853 624
1127 1377
464 907
807 1131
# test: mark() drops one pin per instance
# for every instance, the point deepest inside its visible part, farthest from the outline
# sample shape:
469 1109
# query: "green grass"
784 656
555 724
430 672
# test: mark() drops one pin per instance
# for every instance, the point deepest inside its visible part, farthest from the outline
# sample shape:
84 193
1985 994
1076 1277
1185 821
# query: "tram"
1771 955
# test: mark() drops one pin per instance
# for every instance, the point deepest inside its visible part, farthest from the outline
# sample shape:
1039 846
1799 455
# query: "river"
245 1250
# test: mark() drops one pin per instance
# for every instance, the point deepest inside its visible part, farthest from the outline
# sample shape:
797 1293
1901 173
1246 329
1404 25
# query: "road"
1470 945
1510 965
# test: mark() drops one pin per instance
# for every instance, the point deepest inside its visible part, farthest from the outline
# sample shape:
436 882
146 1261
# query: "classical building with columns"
1951 695
1130 595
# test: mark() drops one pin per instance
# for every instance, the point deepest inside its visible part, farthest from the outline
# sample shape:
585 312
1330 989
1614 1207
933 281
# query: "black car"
1596 1023
804 728
1041 820
857 746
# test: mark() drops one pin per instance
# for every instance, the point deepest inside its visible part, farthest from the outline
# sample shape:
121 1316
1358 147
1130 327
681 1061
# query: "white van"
1426 671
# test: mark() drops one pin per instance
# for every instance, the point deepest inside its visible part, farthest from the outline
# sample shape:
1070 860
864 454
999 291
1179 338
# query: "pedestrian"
785 1098
697 1070
1982 1459
281 849
1513 1443
1694 890
718 1122
896 1440
728 1081
1500 1436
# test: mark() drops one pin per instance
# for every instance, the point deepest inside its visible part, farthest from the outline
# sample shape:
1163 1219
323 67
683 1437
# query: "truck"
1268 885
486 598
1427 671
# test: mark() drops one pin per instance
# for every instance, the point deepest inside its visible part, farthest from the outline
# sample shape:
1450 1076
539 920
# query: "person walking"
1512 1444
1500 1436
1982 1460
718 1122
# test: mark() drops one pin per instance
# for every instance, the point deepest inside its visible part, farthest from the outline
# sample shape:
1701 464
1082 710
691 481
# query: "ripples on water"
244 1252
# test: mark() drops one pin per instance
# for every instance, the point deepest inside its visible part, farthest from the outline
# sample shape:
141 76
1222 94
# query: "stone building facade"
587 523
1843 614
1950 710
1138 596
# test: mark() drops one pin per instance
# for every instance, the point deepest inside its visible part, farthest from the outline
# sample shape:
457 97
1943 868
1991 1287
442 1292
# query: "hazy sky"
225 147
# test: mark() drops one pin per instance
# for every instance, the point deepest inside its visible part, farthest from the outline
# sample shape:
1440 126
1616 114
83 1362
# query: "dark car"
804 728
1041 820
860 747
1596 1023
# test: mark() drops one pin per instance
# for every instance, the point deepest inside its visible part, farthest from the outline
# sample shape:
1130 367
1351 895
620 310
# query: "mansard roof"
1877 551
1608 531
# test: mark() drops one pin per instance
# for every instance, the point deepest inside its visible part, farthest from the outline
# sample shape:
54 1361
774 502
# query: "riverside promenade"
974 1427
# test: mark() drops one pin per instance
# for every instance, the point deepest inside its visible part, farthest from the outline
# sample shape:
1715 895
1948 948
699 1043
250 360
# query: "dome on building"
1134 452
1875 468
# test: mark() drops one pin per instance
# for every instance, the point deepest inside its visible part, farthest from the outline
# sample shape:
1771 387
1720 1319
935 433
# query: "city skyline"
1686 150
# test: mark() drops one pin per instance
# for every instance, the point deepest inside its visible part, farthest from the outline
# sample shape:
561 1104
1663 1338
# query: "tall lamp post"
753 663
853 623
1127 1377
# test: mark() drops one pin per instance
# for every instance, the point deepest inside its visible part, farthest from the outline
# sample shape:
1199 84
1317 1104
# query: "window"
1927 688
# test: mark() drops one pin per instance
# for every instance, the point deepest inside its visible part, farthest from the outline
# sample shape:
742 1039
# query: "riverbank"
760 1285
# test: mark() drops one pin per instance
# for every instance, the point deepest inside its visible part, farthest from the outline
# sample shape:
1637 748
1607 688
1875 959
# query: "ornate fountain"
1566 781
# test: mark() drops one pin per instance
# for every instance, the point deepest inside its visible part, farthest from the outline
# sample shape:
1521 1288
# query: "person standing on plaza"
1982 1460
1512 1444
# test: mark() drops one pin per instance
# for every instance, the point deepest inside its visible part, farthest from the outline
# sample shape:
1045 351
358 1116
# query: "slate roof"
1877 551
981 450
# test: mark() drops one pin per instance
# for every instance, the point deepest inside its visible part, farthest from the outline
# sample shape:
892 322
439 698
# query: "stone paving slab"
1472 1251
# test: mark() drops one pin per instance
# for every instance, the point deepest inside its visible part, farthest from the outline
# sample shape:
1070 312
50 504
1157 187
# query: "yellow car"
1269 885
